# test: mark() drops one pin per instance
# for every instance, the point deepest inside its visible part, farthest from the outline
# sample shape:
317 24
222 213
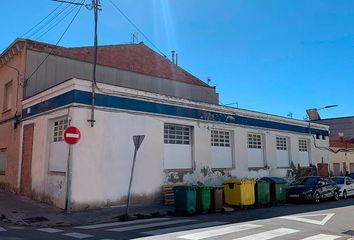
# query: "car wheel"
317 198
345 195
336 196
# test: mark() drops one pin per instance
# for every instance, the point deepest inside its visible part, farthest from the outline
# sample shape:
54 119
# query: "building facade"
189 137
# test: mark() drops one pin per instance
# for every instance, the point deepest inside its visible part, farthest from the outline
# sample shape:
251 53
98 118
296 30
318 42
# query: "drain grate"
349 232
35 220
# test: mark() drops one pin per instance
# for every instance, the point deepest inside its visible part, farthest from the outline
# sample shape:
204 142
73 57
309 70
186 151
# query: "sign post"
138 139
72 136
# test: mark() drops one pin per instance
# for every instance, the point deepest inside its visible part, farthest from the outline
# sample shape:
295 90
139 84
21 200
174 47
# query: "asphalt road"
326 221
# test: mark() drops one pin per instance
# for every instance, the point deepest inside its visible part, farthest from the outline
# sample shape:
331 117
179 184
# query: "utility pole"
95 6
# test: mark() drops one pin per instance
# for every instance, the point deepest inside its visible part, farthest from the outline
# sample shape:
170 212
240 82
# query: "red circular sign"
72 135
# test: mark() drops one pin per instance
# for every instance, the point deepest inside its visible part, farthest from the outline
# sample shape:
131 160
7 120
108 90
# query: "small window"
318 136
282 143
7 96
323 137
2 160
220 138
59 127
254 140
303 146
177 134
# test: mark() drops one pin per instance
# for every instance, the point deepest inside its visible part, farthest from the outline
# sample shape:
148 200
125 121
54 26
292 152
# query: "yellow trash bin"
239 192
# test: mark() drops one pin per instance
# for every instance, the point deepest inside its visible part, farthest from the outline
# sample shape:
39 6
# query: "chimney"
173 56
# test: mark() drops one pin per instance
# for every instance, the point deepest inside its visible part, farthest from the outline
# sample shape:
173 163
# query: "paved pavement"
326 221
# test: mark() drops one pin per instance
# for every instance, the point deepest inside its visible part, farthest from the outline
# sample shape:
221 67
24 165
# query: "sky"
274 56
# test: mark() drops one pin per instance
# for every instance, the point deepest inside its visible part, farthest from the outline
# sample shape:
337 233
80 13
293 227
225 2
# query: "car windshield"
338 180
305 181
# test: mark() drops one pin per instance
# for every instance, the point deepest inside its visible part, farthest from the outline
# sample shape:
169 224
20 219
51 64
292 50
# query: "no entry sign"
72 135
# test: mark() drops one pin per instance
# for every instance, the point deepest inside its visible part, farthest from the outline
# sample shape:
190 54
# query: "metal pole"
131 180
68 180
95 10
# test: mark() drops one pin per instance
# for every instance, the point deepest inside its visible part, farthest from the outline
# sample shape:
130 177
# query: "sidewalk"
20 210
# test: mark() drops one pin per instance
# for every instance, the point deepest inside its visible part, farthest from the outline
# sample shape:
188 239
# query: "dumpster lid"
274 179
184 187
237 181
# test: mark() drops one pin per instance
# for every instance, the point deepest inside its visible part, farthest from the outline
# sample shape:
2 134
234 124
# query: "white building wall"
102 159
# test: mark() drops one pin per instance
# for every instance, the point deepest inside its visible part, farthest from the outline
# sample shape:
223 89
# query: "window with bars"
303 145
177 134
282 143
254 140
59 127
220 138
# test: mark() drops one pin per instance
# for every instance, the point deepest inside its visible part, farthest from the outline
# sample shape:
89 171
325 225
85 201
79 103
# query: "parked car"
351 175
313 189
346 186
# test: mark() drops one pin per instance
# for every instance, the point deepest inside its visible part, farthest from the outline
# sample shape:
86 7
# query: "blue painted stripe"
115 102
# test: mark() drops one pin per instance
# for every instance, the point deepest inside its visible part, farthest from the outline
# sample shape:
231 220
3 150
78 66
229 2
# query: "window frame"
63 123
4 150
281 145
220 138
301 146
255 141
8 95
171 136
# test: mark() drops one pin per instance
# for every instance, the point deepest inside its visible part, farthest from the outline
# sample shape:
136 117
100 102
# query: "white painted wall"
221 157
177 156
102 159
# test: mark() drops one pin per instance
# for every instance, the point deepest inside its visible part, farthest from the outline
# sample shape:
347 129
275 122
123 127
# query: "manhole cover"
350 232
35 219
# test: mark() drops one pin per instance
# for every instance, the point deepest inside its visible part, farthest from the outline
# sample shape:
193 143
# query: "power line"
28 31
136 27
48 22
56 44
56 23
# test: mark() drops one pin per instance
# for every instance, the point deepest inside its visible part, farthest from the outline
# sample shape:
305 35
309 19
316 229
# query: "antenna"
135 37
290 115
209 80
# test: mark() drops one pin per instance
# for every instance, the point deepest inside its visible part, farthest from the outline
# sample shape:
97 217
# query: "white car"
346 186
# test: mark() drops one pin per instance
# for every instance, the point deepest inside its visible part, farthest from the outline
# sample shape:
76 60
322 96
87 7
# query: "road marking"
50 230
322 237
219 231
182 228
269 234
2 229
136 227
303 218
102 225
77 235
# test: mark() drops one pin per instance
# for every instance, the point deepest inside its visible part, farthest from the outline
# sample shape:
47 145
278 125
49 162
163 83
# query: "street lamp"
313 112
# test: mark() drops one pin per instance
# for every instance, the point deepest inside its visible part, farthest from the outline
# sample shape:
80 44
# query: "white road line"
77 235
219 231
322 237
2 229
269 234
103 225
50 230
305 219
182 228
149 225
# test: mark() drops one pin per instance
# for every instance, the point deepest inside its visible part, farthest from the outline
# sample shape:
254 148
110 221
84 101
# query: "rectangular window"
303 145
220 138
2 160
177 134
7 96
254 140
59 127
282 143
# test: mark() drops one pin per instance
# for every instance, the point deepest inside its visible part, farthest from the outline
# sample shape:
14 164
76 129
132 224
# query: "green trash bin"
185 200
262 190
203 199
277 189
